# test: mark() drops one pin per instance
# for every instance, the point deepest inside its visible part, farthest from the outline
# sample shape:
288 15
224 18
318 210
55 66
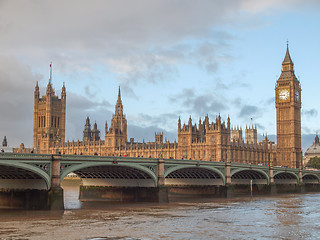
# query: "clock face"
297 95
284 94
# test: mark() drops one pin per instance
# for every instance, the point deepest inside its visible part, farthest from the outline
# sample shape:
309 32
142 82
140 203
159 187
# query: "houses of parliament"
208 140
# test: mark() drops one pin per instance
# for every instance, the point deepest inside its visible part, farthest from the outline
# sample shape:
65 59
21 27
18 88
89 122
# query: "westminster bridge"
33 180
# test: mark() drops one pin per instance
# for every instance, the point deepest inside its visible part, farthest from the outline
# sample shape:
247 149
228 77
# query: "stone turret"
95 133
158 137
236 134
251 135
4 142
87 134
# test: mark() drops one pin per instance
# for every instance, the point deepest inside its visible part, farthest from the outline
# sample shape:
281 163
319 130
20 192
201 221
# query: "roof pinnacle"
287 58
119 97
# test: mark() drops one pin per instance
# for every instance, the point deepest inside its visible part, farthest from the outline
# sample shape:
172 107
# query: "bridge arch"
97 174
194 175
244 176
310 178
285 177
37 178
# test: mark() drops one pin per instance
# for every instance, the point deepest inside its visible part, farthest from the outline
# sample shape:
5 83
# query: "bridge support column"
273 187
55 195
162 189
301 184
229 192
300 176
271 175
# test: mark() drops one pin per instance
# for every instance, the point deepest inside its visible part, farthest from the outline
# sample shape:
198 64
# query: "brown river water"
294 216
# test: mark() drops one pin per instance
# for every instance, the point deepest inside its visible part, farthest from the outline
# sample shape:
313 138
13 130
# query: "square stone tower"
288 105
49 118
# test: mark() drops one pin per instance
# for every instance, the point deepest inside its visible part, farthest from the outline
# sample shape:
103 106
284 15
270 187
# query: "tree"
314 162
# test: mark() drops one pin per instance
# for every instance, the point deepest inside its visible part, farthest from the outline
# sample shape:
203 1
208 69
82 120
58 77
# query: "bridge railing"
24 156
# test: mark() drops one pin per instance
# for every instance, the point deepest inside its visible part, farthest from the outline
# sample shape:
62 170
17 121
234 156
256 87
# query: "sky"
171 58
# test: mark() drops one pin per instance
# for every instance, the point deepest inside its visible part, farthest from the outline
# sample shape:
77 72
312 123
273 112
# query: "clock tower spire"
288 106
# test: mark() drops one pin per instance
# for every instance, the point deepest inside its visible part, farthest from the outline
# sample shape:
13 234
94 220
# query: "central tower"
49 118
116 136
288 105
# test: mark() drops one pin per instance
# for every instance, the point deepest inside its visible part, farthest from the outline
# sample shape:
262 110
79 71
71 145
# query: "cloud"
149 67
255 7
208 55
166 121
309 113
141 41
249 111
270 101
201 104
17 85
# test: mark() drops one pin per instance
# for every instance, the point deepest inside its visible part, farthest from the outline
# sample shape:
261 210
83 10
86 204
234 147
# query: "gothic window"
184 140
213 139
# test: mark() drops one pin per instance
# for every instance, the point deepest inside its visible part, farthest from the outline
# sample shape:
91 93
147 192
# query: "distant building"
20 149
5 147
312 151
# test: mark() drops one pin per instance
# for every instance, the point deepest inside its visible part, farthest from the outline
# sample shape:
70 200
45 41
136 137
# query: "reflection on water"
281 217
71 194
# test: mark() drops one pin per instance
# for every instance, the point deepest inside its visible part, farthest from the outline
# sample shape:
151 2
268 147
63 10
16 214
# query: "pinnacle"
287 58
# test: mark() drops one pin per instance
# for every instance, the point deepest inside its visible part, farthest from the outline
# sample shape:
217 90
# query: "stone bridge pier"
55 193
162 189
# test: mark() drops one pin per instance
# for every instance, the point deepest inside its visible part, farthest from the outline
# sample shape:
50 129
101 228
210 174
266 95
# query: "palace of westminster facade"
209 141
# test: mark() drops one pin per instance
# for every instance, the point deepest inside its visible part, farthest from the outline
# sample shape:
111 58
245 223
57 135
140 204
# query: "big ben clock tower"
288 105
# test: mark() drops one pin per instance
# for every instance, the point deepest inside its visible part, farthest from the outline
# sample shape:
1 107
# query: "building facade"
209 141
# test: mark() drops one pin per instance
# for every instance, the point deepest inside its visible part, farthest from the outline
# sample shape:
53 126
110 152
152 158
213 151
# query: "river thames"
294 216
